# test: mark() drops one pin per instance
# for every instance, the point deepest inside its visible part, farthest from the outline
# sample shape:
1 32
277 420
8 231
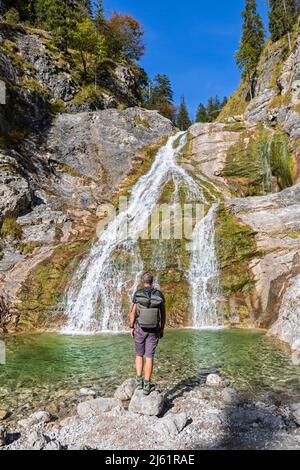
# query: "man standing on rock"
147 324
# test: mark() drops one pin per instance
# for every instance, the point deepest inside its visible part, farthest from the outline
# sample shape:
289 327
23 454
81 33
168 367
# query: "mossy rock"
235 247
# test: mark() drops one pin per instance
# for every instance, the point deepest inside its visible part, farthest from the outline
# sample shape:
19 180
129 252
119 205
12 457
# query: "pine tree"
282 18
99 13
252 39
183 121
201 115
86 7
162 89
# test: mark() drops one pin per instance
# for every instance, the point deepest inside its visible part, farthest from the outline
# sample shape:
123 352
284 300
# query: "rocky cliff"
253 152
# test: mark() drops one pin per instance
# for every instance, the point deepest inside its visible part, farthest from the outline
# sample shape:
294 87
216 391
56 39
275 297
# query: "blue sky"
192 41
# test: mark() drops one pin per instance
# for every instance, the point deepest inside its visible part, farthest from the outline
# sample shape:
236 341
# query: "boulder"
2 436
53 445
172 425
39 417
216 381
36 441
98 406
3 414
151 405
126 390
230 396
295 408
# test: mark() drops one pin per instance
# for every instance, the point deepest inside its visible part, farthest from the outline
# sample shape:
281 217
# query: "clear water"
45 368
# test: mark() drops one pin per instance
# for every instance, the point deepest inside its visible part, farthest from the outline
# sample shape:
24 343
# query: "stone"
53 445
88 392
3 414
295 408
39 417
172 425
151 405
98 406
36 441
230 396
296 358
3 436
216 381
126 390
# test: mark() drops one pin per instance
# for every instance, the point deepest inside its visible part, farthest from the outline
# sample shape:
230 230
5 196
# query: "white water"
95 298
203 274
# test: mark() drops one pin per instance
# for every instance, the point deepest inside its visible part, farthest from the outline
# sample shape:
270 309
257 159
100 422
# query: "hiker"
147 324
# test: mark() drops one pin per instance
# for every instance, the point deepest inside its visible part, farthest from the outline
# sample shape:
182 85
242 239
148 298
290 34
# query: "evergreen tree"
86 7
282 17
99 13
183 121
161 96
201 115
252 39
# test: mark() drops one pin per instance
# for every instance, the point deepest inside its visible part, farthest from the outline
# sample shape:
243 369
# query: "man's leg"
139 366
148 368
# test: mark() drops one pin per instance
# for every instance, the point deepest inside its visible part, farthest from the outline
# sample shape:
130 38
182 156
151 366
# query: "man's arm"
132 319
163 320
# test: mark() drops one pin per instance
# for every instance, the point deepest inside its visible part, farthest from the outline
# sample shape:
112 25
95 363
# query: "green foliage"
235 106
161 97
183 121
282 17
252 40
11 229
141 122
12 16
210 112
90 43
124 37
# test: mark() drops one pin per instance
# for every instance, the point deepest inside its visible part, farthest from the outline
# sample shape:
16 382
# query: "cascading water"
95 298
203 274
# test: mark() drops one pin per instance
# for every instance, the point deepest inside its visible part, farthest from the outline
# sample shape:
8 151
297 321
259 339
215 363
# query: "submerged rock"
151 405
172 425
215 380
126 390
230 396
99 406
87 392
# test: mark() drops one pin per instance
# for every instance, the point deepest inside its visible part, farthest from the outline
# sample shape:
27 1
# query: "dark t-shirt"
148 290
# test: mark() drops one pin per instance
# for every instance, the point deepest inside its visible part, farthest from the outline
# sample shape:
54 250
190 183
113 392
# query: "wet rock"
151 405
3 436
39 417
3 414
126 390
36 441
230 396
216 381
172 425
99 406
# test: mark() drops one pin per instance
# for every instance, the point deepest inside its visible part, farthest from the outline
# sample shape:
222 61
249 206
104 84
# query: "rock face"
151 405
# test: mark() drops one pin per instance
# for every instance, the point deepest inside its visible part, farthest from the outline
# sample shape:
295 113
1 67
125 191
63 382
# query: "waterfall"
102 285
203 274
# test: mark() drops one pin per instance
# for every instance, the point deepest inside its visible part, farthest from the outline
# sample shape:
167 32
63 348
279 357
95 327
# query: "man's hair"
147 278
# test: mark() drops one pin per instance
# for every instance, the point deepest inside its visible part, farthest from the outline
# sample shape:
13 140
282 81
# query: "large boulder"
126 390
98 406
172 425
150 405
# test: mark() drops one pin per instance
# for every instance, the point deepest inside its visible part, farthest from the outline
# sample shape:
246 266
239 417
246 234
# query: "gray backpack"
149 308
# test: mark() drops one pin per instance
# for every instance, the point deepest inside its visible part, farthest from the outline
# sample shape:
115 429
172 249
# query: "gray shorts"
146 342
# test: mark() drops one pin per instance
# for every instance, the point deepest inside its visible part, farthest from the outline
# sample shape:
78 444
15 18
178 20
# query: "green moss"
237 126
88 94
280 100
236 104
11 229
294 235
251 160
141 122
28 248
235 246
44 289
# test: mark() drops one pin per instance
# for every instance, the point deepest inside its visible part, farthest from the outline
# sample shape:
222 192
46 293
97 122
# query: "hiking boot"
139 383
148 387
